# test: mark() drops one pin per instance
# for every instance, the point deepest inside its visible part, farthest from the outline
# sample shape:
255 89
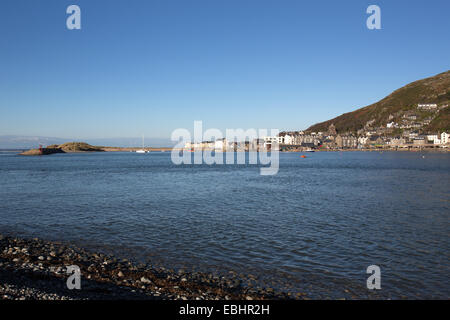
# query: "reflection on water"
314 227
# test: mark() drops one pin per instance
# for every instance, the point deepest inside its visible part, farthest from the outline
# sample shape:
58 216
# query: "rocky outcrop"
69 147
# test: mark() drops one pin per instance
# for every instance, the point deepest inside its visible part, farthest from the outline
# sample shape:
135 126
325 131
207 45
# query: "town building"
220 144
270 142
332 130
288 139
362 140
391 125
346 142
432 138
396 141
419 140
444 138
375 141
427 106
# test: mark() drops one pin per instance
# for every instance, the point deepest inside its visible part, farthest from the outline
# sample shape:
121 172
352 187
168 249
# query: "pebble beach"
34 269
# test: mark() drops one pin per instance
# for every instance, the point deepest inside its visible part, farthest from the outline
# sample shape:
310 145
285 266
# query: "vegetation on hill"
435 90
441 123
63 148
78 147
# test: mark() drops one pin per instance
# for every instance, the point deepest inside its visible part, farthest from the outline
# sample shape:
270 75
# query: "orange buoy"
302 156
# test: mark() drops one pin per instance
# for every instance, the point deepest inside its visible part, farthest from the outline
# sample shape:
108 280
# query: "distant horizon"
28 141
151 67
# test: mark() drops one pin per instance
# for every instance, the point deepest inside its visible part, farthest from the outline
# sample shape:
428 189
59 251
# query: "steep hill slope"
434 90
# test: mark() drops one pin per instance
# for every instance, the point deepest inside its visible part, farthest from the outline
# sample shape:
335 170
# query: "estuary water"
313 228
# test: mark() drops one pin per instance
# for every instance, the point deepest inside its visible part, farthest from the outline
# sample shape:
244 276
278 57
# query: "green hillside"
441 122
434 90
77 147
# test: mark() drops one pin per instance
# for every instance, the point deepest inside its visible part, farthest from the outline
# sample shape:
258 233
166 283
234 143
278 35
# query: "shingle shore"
36 269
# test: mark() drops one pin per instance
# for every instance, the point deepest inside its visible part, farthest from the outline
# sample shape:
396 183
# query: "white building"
427 106
220 144
396 141
269 141
433 138
199 145
288 139
362 140
444 138
391 125
274 139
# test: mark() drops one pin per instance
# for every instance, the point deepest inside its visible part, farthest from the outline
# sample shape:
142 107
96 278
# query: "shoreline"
429 150
50 151
35 269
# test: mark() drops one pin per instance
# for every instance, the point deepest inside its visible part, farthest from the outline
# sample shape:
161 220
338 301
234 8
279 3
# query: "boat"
142 150
308 150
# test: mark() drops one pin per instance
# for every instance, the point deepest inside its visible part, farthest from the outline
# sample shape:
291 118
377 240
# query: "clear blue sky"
152 66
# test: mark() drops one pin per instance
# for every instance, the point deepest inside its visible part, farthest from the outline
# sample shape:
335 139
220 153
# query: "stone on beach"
29 260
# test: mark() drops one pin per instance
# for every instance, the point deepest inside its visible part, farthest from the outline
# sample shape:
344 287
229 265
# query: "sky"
152 66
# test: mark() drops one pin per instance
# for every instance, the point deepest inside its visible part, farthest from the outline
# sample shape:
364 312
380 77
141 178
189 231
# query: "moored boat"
142 150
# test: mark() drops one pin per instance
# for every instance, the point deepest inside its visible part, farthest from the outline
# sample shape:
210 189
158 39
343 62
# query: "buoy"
302 156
